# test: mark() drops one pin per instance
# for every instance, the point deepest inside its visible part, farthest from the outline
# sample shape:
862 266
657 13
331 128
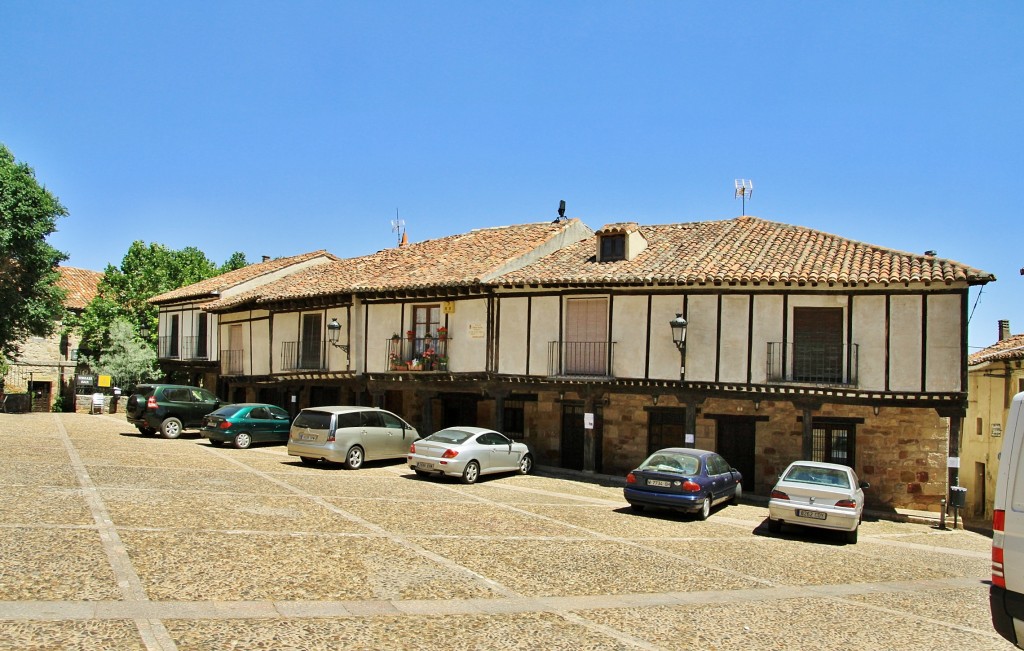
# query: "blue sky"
280 128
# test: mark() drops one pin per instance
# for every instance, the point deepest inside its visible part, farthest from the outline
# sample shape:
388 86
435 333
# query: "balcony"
187 348
232 362
418 354
812 363
304 355
580 358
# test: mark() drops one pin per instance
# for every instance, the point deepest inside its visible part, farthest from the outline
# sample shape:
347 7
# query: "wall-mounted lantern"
333 333
678 326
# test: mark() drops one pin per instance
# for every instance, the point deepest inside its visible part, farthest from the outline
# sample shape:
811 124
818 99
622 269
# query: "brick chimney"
1004 329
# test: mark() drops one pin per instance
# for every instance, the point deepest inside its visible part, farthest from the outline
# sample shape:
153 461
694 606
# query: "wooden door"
586 336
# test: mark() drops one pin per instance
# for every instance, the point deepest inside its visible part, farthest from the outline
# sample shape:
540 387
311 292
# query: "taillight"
151 402
412 449
450 454
225 424
998 527
691 486
847 504
630 478
779 495
330 436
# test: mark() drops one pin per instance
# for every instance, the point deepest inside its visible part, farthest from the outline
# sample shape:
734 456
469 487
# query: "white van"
1006 595
349 435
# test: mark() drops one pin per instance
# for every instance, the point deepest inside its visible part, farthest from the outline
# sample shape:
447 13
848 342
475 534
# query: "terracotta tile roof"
80 284
458 260
745 250
206 288
1010 348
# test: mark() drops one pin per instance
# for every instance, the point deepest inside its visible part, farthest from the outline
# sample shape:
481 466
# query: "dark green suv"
169 408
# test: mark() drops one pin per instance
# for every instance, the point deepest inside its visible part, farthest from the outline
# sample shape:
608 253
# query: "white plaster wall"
869 335
382 321
767 328
286 328
543 330
905 343
629 325
732 366
664 356
257 336
513 328
943 353
701 337
467 326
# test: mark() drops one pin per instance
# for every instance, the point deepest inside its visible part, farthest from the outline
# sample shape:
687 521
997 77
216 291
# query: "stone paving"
113 540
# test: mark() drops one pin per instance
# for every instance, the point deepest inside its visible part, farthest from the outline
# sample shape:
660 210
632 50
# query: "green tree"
127 359
146 271
30 301
236 261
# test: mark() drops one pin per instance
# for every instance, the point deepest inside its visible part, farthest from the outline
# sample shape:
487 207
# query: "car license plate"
814 515
307 437
659 482
424 466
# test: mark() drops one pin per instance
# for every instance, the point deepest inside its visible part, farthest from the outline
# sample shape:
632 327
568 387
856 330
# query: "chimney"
266 258
1004 329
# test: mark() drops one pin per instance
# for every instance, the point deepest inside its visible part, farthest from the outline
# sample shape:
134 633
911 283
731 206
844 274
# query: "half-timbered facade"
798 344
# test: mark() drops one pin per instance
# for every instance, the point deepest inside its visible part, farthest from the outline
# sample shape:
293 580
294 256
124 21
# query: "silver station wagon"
349 435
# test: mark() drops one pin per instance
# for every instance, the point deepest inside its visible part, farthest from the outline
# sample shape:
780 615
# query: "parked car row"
808 493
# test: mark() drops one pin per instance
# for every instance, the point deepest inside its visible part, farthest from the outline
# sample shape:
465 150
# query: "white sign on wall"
588 421
476 331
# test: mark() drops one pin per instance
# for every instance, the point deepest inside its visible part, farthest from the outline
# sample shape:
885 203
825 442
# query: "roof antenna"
398 226
561 212
744 188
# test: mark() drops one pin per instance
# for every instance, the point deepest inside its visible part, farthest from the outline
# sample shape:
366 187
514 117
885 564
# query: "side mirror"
864 484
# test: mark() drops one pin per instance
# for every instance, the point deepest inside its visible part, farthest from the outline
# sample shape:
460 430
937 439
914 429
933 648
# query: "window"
309 345
666 429
980 427
818 344
425 319
613 247
172 348
832 442
514 419
201 336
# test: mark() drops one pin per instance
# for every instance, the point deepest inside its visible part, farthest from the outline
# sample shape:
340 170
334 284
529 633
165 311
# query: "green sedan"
246 423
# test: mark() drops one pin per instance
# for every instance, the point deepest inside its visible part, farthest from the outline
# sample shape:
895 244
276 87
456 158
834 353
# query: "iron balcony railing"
581 358
232 362
812 363
187 348
418 354
304 355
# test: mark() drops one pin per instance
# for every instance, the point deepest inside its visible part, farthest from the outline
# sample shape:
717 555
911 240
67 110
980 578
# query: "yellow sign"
448 307
104 381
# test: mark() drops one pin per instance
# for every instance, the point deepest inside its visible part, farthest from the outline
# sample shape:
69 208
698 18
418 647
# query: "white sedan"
816 494
467 453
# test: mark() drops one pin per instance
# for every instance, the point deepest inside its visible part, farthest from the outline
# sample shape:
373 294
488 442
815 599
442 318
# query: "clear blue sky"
280 128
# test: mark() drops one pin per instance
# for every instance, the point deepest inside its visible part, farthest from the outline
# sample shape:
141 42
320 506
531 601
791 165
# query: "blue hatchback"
685 479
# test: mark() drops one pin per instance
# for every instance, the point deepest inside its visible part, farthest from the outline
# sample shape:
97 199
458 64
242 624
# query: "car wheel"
774 526
851 536
637 507
308 461
705 508
354 458
422 473
738 494
471 473
216 442
525 465
242 440
170 428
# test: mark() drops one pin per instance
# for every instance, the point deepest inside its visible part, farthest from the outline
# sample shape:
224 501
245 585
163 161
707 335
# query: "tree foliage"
30 301
146 271
127 359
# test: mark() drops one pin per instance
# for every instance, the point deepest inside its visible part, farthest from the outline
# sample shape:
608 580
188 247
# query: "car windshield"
822 476
313 419
672 462
452 436
227 412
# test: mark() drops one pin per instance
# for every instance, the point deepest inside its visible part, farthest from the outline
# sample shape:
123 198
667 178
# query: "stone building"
45 367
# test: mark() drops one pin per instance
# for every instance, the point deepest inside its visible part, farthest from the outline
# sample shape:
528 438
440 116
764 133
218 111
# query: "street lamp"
333 332
678 326
144 332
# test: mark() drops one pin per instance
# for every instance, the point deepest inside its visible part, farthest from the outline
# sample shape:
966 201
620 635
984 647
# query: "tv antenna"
398 226
744 188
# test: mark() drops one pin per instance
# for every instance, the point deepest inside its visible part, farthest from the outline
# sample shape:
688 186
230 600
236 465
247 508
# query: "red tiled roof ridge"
1009 348
236 277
